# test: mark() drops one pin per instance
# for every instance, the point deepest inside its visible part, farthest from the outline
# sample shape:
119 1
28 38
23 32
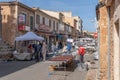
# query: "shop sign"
21 27
21 18
43 27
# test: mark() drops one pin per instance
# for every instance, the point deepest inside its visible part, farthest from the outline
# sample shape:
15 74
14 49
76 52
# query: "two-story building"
46 25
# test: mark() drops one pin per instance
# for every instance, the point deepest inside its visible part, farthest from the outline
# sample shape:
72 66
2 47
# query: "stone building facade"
108 19
15 20
74 22
45 25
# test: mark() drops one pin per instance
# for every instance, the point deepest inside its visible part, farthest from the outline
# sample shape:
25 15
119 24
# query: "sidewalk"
40 71
93 72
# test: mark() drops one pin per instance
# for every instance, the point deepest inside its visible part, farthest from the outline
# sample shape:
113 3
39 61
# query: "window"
53 25
43 20
31 22
57 26
50 23
22 18
25 17
37 19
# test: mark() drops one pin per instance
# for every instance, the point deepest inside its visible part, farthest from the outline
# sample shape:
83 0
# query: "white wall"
51 13
61 27
116 53
117 42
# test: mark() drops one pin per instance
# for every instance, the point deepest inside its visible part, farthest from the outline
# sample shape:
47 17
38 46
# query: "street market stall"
22 53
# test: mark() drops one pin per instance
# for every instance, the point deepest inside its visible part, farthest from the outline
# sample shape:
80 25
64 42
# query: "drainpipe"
108 9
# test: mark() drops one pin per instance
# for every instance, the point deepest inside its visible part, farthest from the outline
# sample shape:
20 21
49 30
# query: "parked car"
95 55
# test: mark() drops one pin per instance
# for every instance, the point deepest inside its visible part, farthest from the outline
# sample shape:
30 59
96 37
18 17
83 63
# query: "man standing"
81 52
36 51
69 46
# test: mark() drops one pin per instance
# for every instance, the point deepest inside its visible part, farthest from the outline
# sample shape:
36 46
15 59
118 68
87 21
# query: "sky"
85 9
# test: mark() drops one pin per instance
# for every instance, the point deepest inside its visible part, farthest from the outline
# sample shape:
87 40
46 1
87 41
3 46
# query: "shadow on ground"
9 67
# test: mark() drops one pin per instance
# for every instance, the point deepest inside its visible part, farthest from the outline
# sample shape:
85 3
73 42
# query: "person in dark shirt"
36 51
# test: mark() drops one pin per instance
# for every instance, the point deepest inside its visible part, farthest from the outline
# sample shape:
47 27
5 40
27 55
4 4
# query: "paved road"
9 67
29 70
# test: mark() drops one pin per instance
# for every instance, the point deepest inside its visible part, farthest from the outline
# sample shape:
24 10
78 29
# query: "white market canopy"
29 36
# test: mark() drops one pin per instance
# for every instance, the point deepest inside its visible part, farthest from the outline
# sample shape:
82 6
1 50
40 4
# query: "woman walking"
44 50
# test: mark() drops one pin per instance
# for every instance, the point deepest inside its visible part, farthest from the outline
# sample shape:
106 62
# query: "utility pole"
0 24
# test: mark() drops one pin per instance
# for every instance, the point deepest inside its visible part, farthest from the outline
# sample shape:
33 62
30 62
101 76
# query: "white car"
96 55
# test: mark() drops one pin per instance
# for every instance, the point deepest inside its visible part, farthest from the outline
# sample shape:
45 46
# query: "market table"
66 59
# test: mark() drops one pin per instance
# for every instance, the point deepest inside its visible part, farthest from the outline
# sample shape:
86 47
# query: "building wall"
103 23
67 14
47 18
69 20
52 13
79 24
8 24
27 12
112 41
116 40
10 14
